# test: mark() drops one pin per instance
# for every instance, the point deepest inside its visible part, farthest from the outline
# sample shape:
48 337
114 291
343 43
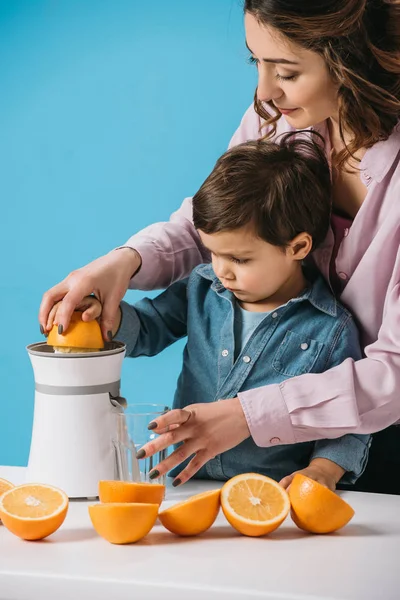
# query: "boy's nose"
222 270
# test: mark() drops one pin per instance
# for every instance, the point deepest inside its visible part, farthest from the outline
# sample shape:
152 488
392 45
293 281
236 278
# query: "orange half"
123 522
254 504
5 486
33 511
129 491
81 336
315 508
192 516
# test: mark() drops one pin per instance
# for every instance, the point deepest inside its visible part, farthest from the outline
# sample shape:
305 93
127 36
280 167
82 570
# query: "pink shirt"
354 397
340 228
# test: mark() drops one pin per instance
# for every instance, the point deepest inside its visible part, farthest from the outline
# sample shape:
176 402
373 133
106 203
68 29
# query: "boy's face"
254 270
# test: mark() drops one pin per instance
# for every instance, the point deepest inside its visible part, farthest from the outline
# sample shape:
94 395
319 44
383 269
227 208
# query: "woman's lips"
286 111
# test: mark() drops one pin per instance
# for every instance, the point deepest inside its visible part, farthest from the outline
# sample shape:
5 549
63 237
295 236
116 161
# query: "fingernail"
154 474
141 454
60 329
176 482
109 335
42 329
152 425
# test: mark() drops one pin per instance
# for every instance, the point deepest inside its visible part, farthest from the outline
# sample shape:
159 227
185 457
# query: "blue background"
111 112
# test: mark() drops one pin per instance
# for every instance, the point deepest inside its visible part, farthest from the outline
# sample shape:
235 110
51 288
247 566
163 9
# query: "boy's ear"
300 246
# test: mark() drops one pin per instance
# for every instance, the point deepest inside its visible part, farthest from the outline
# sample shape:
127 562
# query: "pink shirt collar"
378 160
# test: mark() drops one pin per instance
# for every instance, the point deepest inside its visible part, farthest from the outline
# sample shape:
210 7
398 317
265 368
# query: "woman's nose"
268 87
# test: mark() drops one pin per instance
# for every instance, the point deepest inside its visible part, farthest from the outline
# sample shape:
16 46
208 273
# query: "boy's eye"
239 261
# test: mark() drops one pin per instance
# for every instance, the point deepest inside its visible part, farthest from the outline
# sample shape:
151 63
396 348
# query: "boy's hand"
90 307
322 470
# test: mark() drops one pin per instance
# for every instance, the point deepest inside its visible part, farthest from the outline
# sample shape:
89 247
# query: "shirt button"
225 352
304 346
343 275
274 315
246 359
275 440
346 232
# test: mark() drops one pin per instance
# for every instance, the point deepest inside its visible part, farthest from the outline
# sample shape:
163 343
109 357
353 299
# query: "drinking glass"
131 433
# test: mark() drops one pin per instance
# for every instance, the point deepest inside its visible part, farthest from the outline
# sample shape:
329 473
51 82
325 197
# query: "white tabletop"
359 563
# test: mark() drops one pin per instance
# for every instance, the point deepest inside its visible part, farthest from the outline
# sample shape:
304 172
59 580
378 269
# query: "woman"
333 66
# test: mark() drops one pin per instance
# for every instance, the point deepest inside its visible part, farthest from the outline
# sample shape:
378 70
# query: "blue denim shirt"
309 334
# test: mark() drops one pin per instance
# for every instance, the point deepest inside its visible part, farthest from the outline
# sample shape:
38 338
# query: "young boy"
256 315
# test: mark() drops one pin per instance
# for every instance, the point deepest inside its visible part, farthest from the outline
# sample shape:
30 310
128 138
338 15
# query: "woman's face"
294 79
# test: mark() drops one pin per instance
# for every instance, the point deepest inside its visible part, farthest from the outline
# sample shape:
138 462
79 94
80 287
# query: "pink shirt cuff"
272 427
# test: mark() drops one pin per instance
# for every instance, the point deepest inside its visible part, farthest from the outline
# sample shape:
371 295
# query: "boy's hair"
281 188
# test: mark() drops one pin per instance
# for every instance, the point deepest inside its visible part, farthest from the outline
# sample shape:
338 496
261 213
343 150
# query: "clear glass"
131 433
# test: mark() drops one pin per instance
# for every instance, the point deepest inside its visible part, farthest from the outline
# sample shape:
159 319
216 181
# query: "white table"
362 562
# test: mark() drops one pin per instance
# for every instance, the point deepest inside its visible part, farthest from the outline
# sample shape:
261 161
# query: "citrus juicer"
77 396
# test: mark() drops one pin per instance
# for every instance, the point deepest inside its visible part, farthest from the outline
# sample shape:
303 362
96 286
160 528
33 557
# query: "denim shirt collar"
318 293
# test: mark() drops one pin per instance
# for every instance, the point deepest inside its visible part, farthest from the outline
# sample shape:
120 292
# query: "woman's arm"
164 253
170 250
354 397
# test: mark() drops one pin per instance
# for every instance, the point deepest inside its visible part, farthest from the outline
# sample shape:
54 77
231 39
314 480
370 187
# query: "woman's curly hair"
360 43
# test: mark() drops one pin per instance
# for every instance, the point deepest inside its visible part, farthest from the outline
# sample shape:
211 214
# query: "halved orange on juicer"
81 336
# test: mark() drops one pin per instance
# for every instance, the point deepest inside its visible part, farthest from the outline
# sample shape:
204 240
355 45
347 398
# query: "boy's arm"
151 325
349 452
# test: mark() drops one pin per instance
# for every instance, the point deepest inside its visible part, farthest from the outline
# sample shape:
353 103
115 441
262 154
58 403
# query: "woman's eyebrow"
275 60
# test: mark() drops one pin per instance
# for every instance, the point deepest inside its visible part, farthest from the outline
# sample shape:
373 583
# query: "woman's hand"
205 430
322 470
89 306
106 277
